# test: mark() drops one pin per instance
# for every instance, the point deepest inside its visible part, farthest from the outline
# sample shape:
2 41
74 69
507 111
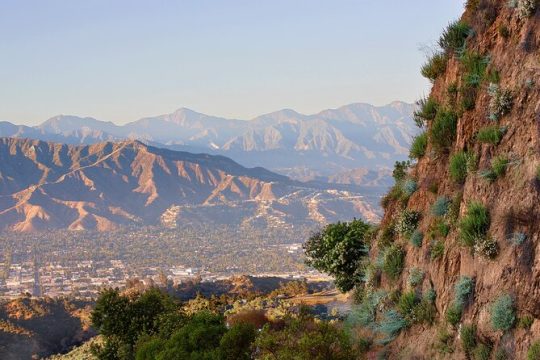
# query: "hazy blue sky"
120 60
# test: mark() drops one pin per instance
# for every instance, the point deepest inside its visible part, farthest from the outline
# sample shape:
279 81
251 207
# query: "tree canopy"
338 250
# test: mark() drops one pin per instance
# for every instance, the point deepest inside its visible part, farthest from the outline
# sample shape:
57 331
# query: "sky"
121 60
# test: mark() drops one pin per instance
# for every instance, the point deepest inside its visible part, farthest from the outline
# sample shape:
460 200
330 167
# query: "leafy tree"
338 250
122 320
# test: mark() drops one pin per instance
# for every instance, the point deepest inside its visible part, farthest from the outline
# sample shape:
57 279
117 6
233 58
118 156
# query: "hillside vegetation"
452 271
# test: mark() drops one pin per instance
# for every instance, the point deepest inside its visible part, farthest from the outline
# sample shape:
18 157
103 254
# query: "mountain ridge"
46 185
357 135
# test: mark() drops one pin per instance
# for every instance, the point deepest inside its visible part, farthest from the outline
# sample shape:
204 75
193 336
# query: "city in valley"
60 265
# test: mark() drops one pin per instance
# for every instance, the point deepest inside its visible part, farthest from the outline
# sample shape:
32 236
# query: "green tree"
338 250
122 320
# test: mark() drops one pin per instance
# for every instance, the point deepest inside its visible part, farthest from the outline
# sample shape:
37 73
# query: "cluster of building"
82 279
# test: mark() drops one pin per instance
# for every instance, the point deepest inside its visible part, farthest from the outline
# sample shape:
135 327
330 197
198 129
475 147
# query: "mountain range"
46 185
353 144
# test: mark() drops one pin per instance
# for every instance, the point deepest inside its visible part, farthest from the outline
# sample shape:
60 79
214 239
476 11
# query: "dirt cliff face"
505 37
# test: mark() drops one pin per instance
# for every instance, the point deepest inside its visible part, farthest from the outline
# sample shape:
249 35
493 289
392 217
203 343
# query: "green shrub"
461 163
408 222
437 250
458 167
444 341
435 66
525 322
463 290
394 260
441 206
391 325
534 351
364 313
453 314
500 101
490 135
468 338
442 228
482 352
538 173
454 36
499 165
416 276
474 67
502 313
475 224
486 247
396 193
498 168
452 90
418 146
416 238
409 186
427 109
443 131
407 304
430 295
425 312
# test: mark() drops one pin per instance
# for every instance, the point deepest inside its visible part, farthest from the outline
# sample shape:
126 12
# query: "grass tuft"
490 135
427 109
443 131
468 338
498 168
461 163
394 261
454 37
418 146
435 66
453 314
475 224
